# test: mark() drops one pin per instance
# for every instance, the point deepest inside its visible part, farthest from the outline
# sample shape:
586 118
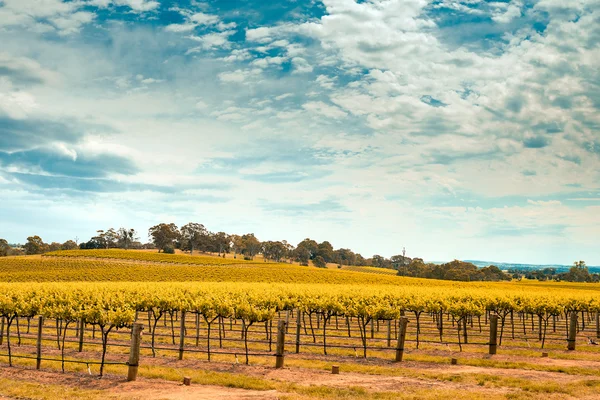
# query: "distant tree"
69 245
579 272
54 246
220 242
325 250
251 245
163 235
125 237
112 238
399 260
381 262
275 251
289 251
319 262
344 257
308 246
93 243
302 255
194 236
236 244
4 248
35 245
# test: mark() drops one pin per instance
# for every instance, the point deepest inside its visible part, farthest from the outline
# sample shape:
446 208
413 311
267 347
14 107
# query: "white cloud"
238 76
138 5
283 96
323 109
211 41
301 66
325 81
506 12
268 61
194 20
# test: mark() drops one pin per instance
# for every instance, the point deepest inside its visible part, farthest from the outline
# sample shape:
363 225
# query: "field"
216 321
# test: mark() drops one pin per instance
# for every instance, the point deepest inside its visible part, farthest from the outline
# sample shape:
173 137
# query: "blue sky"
457 129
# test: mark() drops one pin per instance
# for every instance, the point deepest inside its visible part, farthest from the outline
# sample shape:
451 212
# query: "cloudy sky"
456 128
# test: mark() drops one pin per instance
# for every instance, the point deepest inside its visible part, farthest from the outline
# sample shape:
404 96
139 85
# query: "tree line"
579 272
455 271
195 237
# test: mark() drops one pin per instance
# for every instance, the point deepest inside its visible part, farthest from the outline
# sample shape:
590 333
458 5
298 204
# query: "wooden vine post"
280 344
182 335
38 361
401 338
493 333
597 324
81 332
389 333
298 327
572 331
134 352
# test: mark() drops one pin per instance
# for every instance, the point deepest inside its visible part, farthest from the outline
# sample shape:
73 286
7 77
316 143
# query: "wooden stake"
493 334
572 331
81 332
280 344
134 352
298 327
38 362
198 329
389 333
597 324
401 338
182 335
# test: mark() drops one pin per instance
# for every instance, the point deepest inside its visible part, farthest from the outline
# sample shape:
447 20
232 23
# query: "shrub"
169 250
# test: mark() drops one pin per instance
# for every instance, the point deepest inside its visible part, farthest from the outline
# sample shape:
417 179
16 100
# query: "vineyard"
313 318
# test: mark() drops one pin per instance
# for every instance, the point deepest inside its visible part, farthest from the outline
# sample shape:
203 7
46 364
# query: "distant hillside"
504 266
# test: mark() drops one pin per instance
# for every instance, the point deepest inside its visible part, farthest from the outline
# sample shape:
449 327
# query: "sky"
460 129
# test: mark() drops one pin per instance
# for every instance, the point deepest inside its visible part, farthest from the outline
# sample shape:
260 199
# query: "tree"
112 238
306 250
274 250
163 235
319 262
35 245
126 237
193 236
220 242
69 245
4 248
54 246
302 255
325 250
578 273
251 246
236 244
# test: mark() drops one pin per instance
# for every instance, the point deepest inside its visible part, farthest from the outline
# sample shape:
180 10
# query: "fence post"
197 329
1 330
81 332
38 352
597 324
389 333
572 331
280 344
182 335
298 327
493 333
287 320
401 338
134 352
